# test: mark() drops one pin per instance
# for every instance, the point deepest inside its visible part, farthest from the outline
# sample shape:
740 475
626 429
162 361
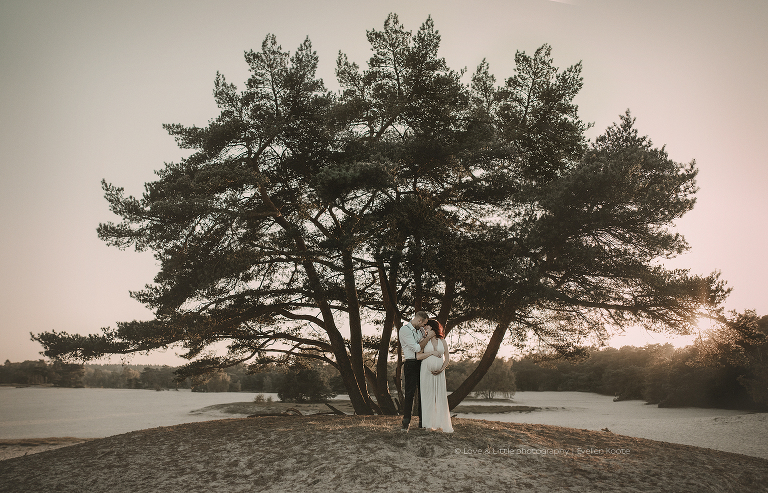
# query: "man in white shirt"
412 341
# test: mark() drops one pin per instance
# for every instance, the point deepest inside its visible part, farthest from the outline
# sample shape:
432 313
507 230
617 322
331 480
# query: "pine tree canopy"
310 223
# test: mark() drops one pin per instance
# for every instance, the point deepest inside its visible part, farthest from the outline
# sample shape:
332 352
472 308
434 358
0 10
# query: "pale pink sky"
86 85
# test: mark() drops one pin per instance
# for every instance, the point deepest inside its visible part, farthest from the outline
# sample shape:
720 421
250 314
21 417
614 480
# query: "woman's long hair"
437 327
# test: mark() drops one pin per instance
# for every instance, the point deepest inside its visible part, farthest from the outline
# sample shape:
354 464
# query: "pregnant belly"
433 363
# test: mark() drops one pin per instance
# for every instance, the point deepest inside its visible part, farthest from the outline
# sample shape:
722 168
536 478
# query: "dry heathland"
357 453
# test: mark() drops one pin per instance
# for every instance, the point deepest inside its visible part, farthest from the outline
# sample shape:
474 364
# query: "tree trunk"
417 273
358 395
381 381
360 402
383 402
447 302
382 370
485 363
355 325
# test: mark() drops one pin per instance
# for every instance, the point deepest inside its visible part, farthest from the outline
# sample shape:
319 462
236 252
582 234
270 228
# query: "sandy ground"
356 453
21 447
737 431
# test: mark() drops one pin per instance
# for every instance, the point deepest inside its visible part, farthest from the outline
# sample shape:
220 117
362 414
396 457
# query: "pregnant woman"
434 396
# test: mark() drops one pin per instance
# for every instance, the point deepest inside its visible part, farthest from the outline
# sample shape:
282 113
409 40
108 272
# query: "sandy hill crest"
357 453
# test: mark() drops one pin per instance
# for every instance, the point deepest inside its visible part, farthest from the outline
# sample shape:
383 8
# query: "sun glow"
640 337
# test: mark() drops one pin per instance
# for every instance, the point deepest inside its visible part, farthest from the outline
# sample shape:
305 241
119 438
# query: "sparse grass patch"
270 407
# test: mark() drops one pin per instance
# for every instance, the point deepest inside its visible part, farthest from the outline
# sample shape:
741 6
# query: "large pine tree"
305 219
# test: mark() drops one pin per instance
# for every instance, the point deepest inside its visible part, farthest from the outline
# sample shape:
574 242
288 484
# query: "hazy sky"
86 85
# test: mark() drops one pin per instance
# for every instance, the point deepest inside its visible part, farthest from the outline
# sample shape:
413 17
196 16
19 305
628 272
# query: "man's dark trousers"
411 372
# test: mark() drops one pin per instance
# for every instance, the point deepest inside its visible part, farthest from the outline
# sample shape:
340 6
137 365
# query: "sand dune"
356 453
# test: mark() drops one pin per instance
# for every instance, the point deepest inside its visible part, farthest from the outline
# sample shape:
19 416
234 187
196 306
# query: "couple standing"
426 358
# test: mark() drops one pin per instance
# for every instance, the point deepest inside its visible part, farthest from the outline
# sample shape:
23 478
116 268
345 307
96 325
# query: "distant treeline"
61 374
269 379
728 369
296 382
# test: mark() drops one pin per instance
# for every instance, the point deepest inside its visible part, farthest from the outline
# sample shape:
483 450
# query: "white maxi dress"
434 396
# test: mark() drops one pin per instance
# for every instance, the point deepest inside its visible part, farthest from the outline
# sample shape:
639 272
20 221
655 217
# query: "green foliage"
304 384
500 379
726 369
92 376
57 373
737 350
158 378
218 382
27 373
